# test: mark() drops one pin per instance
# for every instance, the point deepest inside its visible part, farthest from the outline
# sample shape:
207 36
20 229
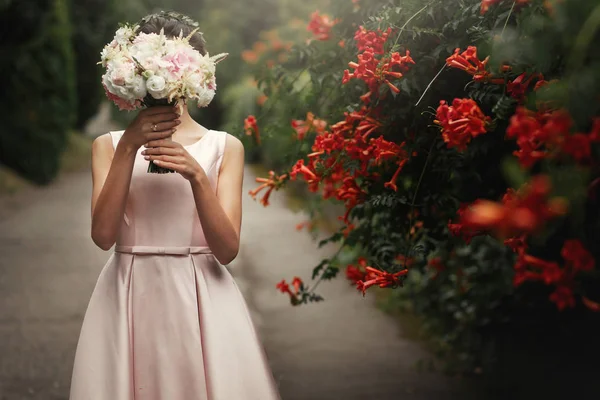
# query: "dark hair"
173 24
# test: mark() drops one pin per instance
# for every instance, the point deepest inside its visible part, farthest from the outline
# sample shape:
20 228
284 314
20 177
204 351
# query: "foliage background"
38 98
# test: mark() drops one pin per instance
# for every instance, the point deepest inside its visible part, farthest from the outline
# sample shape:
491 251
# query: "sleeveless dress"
166 321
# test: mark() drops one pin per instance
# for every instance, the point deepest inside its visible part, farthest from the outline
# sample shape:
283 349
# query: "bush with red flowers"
461 143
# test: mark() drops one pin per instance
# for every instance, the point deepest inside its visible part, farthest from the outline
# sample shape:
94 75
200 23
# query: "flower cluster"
374 40
251 128
349 140
358 272
470 63
547 134
519 86
270 49
462 230
141 64
373 66
486 4
273 182
576 259
354 138
302 127
364 276
320 25
380 278
298 285
461 122
521 212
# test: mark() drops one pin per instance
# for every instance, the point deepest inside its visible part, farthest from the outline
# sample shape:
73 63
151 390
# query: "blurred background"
286 60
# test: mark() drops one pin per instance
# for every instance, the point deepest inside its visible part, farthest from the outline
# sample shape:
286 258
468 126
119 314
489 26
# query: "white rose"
118 76
138 87
193 81
204 96
145 51
120 91
156 86
108 83
126 94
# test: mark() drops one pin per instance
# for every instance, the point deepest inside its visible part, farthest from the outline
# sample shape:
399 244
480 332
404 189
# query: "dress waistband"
171 250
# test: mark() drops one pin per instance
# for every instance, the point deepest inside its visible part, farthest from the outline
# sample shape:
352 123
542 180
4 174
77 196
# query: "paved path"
48 268
343 348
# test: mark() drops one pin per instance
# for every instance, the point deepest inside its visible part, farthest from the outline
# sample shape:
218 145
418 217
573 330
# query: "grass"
10 181
76 157
78 154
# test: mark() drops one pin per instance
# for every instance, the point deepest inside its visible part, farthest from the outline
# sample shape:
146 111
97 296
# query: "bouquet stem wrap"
150 101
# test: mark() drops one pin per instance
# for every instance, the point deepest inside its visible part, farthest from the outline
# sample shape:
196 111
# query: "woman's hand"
151 123
170 154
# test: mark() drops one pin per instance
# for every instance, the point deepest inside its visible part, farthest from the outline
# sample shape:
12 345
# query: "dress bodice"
160 209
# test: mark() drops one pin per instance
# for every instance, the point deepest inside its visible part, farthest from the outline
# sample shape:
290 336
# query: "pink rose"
179 62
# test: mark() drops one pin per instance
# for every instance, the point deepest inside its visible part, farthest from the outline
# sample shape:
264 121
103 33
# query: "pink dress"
166 321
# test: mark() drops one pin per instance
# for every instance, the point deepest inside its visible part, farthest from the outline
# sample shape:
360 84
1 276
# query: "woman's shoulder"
231 144
226 142
229 147
107 142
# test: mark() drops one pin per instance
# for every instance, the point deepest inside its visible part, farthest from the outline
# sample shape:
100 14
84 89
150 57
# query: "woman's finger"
162 143
170 159
163 126
162 117
159 110
171 151
159 135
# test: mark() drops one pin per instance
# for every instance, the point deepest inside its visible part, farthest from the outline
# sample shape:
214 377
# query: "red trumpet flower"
272 182
251 128
381 278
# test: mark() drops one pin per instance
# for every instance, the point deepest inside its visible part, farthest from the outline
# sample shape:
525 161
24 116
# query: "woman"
166 320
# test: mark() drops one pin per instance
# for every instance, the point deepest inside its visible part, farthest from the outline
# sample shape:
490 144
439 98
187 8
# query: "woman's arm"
111 170
221 213
111 176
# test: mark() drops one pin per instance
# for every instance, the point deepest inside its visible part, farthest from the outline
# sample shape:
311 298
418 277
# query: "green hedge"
94 23
38 96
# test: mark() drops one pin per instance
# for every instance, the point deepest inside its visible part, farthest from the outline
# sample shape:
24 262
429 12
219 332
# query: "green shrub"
94 23
38 95
392 156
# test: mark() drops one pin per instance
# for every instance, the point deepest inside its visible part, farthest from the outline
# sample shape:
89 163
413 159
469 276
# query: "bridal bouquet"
147 69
